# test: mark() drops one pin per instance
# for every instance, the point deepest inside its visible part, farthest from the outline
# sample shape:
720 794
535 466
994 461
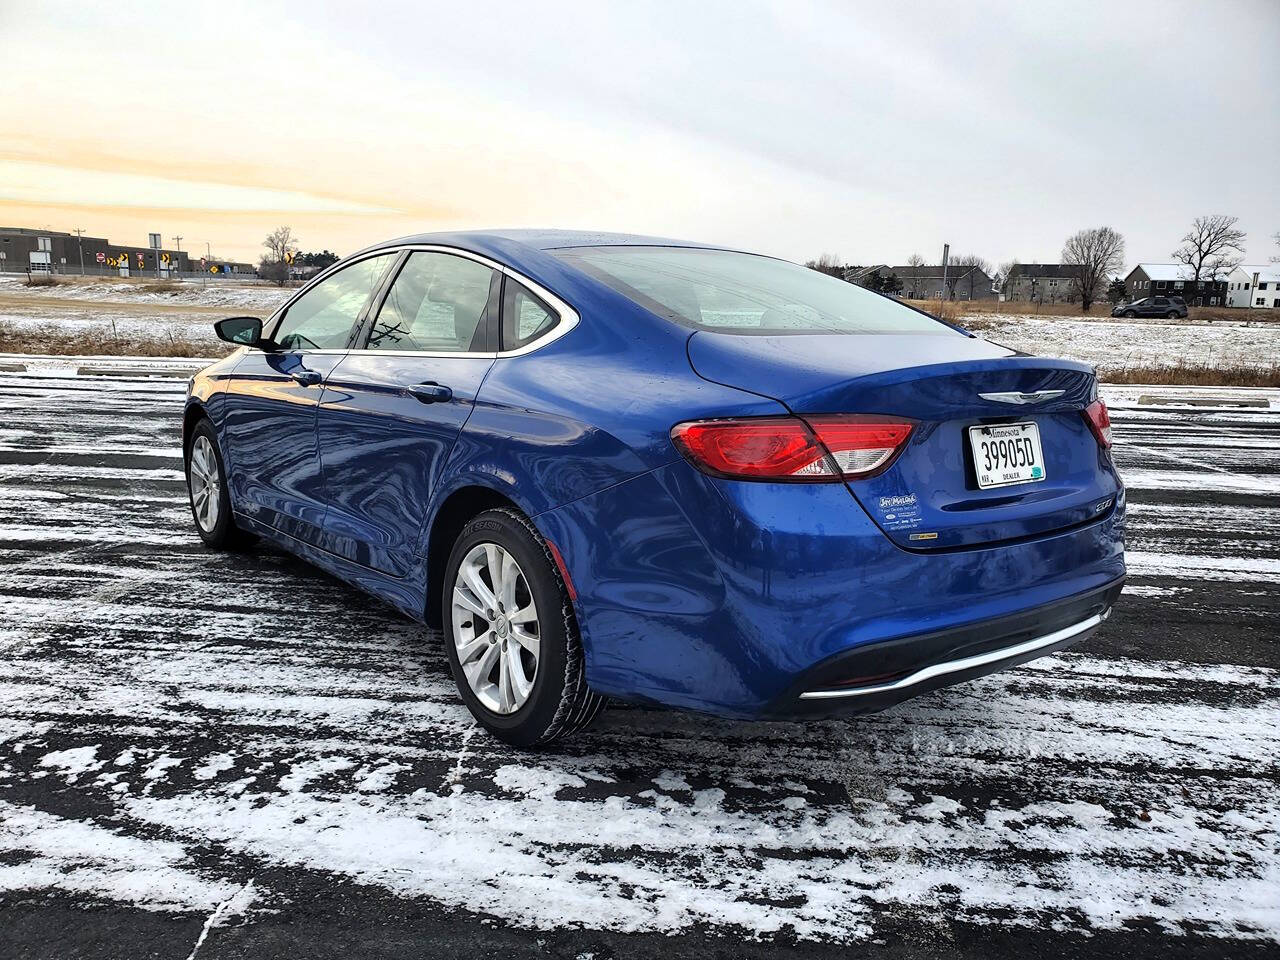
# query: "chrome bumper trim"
968 663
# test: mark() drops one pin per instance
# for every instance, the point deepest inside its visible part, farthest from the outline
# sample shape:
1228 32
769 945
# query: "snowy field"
241 749
1116 344
127 309
191 293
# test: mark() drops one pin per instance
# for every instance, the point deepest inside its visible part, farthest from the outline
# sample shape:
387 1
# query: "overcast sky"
872 131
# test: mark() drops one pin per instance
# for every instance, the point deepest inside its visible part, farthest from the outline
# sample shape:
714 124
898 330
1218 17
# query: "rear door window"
437 304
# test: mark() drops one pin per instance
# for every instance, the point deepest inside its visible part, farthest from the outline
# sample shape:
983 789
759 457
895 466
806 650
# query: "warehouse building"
25 250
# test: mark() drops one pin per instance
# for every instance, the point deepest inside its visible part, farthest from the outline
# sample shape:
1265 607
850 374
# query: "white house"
1254 285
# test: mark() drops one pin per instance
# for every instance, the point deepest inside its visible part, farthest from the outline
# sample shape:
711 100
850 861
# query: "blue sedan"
615 466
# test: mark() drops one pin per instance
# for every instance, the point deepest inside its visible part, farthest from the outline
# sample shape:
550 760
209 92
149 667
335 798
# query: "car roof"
539 239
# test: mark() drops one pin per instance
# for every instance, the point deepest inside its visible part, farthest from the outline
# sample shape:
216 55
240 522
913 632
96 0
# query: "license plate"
1006 454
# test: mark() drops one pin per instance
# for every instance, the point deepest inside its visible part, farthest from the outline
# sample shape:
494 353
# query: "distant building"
1254 285
52 251
925 282
1042 282
1174 280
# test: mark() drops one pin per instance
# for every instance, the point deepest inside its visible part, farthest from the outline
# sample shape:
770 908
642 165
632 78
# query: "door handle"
431 392
306 378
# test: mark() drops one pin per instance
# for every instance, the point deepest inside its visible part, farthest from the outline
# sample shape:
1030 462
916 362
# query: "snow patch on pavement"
43 851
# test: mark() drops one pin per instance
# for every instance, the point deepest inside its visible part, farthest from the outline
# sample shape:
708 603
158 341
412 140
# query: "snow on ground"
81 857
134 309
118 306
112 321
1116 344
198 293
1130 785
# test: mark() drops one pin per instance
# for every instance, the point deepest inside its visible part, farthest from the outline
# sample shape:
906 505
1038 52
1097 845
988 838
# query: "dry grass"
39 280
1212 314
96 343
959 311
1196 375
955 310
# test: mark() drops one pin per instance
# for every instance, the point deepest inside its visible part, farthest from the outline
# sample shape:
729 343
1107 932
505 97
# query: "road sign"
102 257
155 240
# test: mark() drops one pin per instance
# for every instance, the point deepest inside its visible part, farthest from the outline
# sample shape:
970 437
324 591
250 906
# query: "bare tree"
1006 275
1097 253
828 263
915 262
281 243
281 247
1212 248
965 266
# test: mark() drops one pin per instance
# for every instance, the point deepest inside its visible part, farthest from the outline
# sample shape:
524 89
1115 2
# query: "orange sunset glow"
785 129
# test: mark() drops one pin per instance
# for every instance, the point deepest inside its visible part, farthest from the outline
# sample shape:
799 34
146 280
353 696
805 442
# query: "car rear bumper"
735 598
879 675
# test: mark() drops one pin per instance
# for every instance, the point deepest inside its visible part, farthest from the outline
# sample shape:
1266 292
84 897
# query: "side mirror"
242 331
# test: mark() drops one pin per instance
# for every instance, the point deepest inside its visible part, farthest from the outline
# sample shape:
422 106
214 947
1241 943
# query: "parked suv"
1171 307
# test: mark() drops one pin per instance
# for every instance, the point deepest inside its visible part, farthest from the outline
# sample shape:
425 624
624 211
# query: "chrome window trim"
567 316
966 663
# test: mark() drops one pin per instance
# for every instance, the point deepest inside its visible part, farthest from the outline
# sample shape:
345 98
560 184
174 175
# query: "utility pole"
79 232
178 243
946 253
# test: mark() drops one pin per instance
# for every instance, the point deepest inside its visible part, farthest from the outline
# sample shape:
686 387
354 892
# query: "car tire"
1130 314
207 490
524 680
1172 315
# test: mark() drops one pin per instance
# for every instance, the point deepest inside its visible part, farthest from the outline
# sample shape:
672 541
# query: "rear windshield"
743 293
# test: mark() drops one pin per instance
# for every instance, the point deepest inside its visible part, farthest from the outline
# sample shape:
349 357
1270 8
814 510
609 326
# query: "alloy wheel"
495 628
205 482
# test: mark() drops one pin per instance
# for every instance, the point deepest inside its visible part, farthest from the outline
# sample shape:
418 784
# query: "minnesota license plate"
1006 454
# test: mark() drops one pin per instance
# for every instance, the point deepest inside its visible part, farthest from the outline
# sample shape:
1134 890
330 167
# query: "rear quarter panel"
588 411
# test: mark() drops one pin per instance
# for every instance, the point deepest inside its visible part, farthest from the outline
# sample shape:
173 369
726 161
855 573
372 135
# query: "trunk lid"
929 498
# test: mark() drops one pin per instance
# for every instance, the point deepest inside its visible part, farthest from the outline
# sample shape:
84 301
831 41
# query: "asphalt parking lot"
235 756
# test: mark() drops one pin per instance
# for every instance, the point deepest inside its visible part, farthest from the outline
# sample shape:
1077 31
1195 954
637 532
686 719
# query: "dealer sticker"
901 512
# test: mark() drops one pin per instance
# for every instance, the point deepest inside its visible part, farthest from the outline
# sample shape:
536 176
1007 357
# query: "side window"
435 305
322 318
524 316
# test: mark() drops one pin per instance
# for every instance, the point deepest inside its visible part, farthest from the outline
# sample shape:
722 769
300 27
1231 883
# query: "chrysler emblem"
1014 397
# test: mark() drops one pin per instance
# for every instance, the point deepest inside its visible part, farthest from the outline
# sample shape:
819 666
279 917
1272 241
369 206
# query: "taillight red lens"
1095 414
774 448
787 448
861 445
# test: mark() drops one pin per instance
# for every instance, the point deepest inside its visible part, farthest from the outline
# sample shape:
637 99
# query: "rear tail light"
825 448
861 446
1095 414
